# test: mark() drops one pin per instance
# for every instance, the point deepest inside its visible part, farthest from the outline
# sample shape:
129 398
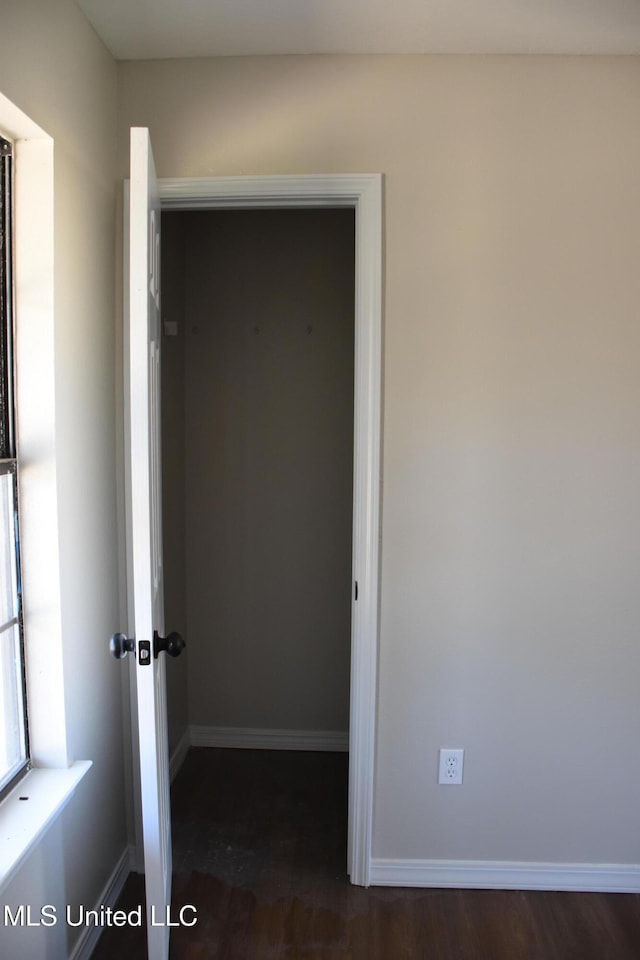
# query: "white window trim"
53 778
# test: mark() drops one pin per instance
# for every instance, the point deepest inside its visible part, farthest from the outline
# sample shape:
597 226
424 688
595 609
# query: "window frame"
8 456
7 419
54 774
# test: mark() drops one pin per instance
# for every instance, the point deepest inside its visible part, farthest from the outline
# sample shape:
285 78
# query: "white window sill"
22 822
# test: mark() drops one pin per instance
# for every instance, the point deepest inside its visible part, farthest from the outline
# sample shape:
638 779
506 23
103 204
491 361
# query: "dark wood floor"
259 842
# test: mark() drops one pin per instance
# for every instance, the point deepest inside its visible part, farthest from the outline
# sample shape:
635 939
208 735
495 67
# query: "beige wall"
266 328
55 69
511 533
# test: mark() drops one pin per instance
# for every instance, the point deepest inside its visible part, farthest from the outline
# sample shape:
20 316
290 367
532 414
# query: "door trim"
363 193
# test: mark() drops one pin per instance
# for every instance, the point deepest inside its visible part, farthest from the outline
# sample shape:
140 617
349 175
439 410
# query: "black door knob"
120 645
173 644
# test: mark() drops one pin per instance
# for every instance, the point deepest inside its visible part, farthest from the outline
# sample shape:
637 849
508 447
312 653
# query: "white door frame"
363 193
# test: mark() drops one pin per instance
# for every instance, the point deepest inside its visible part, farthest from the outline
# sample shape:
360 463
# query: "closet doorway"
258 361
270 438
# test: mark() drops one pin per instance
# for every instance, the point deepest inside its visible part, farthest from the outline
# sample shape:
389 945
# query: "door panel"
145 532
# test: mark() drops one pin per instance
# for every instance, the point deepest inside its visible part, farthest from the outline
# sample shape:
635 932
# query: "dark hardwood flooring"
259 846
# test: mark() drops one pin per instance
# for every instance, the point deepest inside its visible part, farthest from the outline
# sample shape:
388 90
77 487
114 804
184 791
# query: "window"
13 726
29 278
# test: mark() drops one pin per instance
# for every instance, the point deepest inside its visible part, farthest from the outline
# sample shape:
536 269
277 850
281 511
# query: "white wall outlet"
450 769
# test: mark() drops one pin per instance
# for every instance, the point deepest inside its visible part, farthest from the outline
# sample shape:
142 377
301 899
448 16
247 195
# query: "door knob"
173 644
120 646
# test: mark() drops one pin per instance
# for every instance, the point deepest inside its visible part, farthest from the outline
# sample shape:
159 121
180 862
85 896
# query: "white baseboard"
250 738
90 935
180 751
507 875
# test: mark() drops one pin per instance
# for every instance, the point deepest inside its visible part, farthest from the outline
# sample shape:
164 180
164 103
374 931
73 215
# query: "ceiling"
158 29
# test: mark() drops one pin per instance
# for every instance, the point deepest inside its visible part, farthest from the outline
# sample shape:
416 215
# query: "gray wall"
267 325
510 532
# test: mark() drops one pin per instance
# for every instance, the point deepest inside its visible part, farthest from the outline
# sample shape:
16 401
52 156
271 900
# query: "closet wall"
258 454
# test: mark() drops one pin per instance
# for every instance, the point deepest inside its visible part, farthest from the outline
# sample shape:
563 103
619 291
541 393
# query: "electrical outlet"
450 769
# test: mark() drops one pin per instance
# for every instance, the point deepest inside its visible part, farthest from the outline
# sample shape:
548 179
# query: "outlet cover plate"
450 766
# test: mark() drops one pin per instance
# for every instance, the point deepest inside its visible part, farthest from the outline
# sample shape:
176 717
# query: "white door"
144 520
